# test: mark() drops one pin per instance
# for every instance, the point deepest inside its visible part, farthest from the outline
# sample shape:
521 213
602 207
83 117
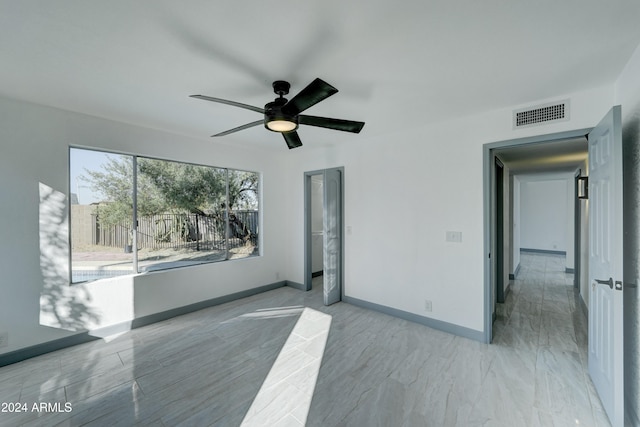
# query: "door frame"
499 228
577 232
308 232
489 233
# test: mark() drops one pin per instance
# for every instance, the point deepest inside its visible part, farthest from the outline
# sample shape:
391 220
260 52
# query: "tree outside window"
185 214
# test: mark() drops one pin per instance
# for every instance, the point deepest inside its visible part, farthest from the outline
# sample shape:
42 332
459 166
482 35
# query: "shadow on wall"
631 262
61 306
91 377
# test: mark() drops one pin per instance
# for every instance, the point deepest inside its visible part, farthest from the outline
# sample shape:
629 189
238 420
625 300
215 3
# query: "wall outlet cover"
454 236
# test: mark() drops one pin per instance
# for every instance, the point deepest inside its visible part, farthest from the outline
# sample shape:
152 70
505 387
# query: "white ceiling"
409 62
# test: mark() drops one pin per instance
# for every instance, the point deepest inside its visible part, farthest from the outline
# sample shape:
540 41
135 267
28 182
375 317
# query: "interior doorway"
323 231
600 336
539 153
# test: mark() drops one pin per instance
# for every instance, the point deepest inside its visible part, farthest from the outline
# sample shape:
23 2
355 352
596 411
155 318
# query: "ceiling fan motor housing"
273 113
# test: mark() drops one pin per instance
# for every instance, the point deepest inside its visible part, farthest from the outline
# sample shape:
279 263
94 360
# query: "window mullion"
227 213
134 217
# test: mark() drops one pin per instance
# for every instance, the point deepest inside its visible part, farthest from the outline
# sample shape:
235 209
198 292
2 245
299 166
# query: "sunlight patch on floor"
285 396
274 312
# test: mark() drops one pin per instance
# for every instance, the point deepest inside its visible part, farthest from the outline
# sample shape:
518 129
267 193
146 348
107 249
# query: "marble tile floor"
283 359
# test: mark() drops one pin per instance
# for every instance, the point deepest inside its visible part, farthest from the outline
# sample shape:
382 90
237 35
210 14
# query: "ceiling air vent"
541 114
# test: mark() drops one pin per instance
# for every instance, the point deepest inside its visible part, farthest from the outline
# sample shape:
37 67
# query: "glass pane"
243 214
181 215
101 187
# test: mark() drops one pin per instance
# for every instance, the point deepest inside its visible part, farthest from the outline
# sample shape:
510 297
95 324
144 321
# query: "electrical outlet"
427 305
454 236
4 339
278 275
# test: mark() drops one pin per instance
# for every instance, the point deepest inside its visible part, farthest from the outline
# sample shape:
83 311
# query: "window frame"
135 217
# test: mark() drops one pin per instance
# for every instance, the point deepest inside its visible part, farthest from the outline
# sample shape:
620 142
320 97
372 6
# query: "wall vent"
541 114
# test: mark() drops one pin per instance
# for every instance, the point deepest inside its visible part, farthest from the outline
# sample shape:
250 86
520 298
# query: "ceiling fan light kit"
283 116
281 125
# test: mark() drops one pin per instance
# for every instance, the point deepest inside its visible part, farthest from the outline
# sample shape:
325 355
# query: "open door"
605 264
332 288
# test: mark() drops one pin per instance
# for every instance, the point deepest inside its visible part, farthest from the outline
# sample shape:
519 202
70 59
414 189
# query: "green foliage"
185 187
243 190
165 186
115 182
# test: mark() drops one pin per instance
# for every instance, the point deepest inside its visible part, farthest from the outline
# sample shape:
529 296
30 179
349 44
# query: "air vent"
541 114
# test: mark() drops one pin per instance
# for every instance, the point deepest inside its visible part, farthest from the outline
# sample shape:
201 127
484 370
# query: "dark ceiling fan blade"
336 124
226 101
243 127
315 92
292 139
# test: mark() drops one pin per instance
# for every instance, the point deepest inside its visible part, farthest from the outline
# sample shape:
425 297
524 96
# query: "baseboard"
512 276
426 321
47 347
543 251
96 334
296 285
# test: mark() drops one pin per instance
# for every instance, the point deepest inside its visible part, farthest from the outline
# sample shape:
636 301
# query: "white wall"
516 200
316 204
544 213
36 297
403 191
317 227
627 87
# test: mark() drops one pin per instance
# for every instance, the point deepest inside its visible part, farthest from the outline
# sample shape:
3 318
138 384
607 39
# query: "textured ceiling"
408 63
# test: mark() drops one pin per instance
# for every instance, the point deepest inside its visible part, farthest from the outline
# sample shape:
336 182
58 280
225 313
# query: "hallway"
542 319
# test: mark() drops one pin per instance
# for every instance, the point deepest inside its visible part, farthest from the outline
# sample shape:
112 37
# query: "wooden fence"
176 231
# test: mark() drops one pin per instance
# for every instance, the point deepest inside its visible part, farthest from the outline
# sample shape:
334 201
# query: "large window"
184 214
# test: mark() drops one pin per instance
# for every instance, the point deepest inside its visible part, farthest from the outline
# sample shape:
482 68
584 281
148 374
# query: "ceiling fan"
284 116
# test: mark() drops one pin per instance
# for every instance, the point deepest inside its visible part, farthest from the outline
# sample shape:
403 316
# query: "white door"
605 264
332 271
